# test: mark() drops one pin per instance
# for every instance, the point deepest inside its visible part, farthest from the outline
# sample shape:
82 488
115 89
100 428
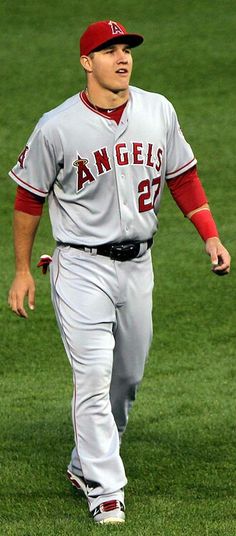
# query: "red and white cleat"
78 482
109 512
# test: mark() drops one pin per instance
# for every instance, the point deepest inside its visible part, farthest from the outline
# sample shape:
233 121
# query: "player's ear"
86 63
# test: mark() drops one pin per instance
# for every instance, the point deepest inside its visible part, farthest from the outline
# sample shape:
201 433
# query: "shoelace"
109 505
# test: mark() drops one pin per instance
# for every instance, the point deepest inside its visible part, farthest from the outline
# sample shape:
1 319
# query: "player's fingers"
220 257
219 271
214 256
223 266
214 262
17 305
31 298
21 312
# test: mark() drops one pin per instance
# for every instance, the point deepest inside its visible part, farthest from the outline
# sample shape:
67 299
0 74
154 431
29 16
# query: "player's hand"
220 257
23 285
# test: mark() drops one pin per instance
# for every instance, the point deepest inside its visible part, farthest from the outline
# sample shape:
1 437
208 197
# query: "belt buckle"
124 252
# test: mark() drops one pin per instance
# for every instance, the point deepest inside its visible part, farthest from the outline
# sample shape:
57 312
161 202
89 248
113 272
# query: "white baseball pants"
104 312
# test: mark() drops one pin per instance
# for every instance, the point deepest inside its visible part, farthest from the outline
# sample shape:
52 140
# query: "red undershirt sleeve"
187 191
27 202
189 195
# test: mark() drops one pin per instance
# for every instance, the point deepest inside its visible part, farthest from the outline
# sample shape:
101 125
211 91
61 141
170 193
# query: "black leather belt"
124 251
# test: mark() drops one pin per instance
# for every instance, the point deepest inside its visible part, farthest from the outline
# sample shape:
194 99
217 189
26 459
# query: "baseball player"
102 159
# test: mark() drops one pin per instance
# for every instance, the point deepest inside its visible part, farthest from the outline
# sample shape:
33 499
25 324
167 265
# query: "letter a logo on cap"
115 28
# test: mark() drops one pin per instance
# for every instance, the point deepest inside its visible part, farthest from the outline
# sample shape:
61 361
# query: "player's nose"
121 57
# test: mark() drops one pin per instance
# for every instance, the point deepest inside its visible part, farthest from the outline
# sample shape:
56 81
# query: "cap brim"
133 40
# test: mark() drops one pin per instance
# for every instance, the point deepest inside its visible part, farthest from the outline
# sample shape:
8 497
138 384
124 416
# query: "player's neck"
106 99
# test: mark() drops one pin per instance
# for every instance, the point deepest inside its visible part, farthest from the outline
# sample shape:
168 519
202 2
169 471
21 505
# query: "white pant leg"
133 335
85 311
75 464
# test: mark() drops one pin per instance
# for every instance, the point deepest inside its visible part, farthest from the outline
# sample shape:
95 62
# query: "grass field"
180 447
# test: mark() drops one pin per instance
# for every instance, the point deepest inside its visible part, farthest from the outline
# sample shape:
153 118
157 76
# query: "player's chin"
121 83
122 86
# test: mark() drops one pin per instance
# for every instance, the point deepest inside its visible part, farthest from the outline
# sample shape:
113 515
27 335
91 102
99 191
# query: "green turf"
180 448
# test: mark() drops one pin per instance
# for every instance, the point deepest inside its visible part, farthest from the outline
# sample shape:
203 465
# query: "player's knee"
129 382
97 379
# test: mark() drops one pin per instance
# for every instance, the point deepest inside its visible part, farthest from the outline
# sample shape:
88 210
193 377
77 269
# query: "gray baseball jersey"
104 182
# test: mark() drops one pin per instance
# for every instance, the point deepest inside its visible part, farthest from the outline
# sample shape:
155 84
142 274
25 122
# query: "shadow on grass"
192 463
187 460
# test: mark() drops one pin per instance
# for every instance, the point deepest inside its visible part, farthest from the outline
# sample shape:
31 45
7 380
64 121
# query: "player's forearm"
202 207
190 196
24 227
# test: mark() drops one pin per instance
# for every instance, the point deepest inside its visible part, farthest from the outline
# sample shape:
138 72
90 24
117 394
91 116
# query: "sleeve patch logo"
21 158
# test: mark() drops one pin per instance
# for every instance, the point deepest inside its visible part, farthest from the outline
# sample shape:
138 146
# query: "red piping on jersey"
90 106
27 184
179 169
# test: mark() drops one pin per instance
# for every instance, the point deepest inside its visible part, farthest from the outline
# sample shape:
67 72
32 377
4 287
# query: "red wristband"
205 224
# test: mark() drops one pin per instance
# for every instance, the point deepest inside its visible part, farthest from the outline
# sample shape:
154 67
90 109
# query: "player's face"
111 67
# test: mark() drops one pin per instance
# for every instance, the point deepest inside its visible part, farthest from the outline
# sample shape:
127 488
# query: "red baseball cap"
106 32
